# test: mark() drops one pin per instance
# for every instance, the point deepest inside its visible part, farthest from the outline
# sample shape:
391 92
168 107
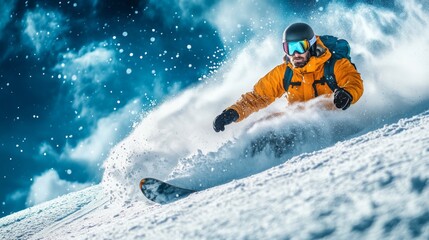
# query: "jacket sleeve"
348 78
265 91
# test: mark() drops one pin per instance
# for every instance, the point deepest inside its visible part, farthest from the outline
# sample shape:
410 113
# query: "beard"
300 61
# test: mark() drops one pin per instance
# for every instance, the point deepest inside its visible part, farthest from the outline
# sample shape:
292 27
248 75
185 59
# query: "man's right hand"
225 118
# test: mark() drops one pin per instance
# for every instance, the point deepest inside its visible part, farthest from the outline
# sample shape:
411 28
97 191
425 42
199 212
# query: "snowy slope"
369 187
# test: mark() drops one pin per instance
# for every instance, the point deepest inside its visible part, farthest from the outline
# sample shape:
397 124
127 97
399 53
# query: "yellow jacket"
270 87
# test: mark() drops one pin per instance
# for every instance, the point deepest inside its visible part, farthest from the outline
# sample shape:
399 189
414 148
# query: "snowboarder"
310 69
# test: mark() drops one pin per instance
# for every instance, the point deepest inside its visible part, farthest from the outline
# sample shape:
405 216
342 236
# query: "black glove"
225 118
342 99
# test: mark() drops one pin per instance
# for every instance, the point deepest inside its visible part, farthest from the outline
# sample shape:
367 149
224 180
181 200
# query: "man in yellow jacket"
306 55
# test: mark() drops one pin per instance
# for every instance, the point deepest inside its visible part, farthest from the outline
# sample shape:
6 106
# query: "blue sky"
77 76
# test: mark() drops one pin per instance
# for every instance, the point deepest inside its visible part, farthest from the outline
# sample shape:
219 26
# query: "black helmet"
297 32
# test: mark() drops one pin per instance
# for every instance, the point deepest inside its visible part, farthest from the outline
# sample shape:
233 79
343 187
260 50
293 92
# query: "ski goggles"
298 46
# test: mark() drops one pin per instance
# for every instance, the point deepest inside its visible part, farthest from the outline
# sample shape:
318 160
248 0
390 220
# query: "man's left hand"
342 99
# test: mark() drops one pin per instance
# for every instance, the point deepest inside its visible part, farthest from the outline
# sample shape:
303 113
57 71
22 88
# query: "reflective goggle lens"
299 46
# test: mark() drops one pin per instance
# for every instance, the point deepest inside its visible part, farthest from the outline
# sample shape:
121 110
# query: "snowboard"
161 192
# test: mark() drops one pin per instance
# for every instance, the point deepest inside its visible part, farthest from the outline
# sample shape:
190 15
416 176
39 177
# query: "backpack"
339 49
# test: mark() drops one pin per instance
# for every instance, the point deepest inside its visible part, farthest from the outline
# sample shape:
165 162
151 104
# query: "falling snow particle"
189 46
69 171
124 34
129 71
152 39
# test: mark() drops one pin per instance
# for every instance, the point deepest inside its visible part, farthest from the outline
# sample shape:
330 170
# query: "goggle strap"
312 40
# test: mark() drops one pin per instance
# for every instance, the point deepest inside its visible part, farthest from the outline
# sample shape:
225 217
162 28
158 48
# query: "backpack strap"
329 75
287 78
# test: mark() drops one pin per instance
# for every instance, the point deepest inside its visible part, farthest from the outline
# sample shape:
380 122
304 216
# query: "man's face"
299 60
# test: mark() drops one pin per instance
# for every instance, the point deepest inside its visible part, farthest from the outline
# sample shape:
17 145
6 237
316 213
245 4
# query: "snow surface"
371 186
